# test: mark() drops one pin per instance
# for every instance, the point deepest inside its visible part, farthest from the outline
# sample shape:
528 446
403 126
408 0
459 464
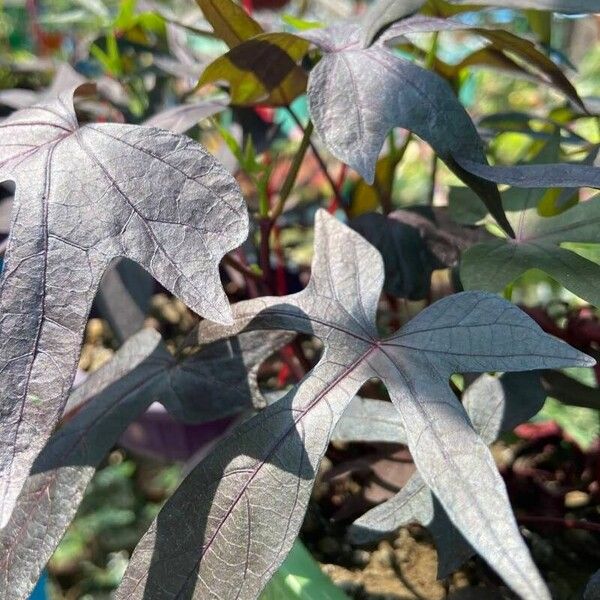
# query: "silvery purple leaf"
383 12
84 197
245 502
183 117
357 95
494 405
562 6
218 380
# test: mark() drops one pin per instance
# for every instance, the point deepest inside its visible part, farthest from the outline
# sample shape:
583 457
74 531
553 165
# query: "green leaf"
493 265
300 24
229 20
501 40
582 424
262 69
300 578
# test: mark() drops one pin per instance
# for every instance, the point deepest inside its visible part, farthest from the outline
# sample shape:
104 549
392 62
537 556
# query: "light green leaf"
493 265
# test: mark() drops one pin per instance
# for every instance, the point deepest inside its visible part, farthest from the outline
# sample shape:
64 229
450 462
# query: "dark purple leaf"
494 405
245 502
84 197
217 381
383 12
357 95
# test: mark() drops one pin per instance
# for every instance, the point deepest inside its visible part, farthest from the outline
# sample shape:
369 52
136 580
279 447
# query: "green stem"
431 55
292 174
320 160
434 168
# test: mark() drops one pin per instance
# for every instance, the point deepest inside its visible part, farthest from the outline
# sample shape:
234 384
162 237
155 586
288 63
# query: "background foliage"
238 86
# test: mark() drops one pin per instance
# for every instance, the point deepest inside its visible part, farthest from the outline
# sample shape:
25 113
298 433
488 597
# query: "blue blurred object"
39 592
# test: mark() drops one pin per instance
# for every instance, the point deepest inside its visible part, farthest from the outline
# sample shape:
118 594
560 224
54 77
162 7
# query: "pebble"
384 555
94 331
165 309
360 558
576 499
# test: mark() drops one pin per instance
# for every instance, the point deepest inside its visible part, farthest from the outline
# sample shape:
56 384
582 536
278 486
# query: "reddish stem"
320 161
280 281
288 354
335 201
560 522
394 310
36 32
265 225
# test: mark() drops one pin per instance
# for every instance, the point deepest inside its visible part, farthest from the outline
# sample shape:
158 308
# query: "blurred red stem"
32 14
234 263
265 225
335 203
560 522
280 282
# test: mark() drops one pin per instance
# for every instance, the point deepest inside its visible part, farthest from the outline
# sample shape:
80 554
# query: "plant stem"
265 225
560 522
431 55
334 203
434 168
292 174
234 263
280 280
320 160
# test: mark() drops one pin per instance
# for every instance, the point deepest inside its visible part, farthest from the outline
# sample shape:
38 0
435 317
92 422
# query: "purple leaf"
84 197
217 381
245 502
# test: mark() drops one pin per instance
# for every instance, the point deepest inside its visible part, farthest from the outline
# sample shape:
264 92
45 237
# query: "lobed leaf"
367 420
408 262
563 175
494 264
563 6
124 298
364 420
120 391
413 244
180 119
261 69
65 79
86 195
494 405
500 40
215 382
357 95
245 502
229 20
383 12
